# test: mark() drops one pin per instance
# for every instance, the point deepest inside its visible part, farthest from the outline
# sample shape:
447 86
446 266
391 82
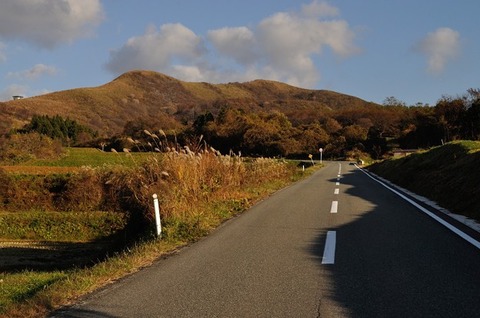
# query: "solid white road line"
336 191
329 251
452 228
334 207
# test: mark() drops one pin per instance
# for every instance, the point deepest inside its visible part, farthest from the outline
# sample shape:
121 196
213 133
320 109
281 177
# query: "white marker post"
321 154
158 222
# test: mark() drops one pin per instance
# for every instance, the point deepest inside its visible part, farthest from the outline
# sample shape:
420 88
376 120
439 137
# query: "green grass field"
77 157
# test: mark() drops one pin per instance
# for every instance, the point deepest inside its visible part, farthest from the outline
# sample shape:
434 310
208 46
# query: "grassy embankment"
448 175
197 193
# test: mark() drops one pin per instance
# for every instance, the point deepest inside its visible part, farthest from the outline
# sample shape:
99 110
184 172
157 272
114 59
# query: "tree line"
68 131
349 132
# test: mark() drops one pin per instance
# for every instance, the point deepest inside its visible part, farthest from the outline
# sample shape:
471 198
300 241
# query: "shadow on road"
394 261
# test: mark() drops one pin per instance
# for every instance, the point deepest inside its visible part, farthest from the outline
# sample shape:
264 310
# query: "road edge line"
449 226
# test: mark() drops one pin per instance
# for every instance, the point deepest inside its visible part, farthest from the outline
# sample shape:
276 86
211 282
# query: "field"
74 159
76 223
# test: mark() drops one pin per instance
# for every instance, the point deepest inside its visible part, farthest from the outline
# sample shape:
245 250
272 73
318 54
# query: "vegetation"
258 118
60 227
68 131
89 196
18 148
198 190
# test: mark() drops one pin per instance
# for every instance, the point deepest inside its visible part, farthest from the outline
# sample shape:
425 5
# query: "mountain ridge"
150 95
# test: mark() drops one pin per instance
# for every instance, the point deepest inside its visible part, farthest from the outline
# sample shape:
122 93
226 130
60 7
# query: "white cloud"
157 49
290 42
319 9
48 23
281 47
35 72
237 43
440 47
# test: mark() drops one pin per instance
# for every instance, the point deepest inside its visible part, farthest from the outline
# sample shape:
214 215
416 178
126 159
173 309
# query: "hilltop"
170 102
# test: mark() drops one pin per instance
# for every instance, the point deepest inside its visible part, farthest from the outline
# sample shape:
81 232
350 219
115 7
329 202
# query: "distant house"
397 153
15 97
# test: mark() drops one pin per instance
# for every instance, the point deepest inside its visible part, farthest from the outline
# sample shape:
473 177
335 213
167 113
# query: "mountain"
170 102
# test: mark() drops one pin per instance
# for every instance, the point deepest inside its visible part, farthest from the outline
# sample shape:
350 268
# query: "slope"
447 174
169 102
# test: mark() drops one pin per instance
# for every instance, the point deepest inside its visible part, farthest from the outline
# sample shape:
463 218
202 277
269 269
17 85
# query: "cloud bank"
281 47
48 23
33 73
440 47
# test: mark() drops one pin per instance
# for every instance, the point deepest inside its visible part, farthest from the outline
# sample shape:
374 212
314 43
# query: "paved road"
382 258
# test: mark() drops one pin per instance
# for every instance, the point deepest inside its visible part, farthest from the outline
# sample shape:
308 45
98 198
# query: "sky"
417 51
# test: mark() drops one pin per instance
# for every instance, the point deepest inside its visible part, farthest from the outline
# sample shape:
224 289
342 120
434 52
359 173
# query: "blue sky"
414 50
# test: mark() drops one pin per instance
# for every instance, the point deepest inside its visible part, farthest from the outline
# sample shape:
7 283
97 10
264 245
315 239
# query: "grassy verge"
198 193
448 175
76 157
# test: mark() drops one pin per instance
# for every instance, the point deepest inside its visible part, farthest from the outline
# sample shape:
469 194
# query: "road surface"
337 244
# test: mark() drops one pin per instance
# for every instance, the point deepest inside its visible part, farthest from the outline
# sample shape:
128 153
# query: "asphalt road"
384 258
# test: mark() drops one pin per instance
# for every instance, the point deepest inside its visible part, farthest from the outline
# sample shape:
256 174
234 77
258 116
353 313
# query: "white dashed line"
334 207
337 191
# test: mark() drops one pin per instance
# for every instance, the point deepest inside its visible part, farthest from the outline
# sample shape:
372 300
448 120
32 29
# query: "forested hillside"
255 118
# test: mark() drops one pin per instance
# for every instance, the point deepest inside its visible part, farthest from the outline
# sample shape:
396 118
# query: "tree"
376 144
354 134
393 101
201 122
425 132
56 127
332 126
472 122
451 114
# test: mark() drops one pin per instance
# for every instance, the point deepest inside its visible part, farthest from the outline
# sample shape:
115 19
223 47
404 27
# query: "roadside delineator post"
158 222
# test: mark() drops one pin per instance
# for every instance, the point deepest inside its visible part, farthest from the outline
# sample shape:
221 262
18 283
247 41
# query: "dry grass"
38 170
198 190
146 94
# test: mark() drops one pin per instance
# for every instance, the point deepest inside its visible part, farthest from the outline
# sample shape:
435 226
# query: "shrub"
23 147
82 191
5 185
27 193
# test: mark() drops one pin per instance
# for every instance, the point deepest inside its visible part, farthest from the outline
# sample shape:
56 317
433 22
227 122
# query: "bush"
186 182
19 148
82 191
5 185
